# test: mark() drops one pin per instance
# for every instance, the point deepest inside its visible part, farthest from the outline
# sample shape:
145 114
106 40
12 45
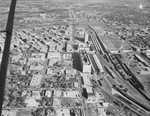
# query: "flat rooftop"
36 80
116 40
108 43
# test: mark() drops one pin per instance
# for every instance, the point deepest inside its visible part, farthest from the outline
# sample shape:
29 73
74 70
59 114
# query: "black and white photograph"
74 57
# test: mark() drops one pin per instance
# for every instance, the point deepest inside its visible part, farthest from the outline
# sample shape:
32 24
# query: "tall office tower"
85 62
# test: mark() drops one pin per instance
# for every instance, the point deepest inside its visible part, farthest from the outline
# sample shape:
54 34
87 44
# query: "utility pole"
5 57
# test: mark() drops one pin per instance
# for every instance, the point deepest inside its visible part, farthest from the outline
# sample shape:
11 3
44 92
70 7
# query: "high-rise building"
85 62
86 37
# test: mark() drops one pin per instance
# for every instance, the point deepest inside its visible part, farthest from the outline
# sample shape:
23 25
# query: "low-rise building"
71 94
147 53
56 55
48 93
36 94
24 93
53 47
14 58
31 102
56 102
51 71
36 67
101 112
70 72
82 44
36 81
69 48
31 99
67 56
52 62
36 59
76 84
67 62
94 97
84 48
86 80
43 48
57 93
9 113
4 112
62 112
38 55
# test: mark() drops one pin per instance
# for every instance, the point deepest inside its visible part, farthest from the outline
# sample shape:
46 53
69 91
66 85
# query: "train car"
132 102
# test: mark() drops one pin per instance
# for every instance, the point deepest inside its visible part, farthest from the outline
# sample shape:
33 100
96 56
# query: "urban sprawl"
77 59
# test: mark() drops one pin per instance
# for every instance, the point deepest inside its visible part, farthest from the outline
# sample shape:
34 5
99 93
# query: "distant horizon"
85 0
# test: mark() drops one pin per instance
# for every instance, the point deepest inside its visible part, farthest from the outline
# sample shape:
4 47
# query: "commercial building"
101 112
4 112
57 93
36 81
52 61
38 55
62 112
67 56
70 71
9 113
36 94
56 102
31 102
56 55
49 71
36 59
93 96
90 94
48 93
86 37
53 71
53 47
86 80
84 48
67 62
85 62
36 67
82 44
31 99
76 84
147 53
71 94
69 47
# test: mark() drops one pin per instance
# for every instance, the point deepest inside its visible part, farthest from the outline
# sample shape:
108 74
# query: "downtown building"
85 62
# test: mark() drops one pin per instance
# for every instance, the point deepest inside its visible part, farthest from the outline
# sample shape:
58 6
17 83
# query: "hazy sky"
91 1
106 0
